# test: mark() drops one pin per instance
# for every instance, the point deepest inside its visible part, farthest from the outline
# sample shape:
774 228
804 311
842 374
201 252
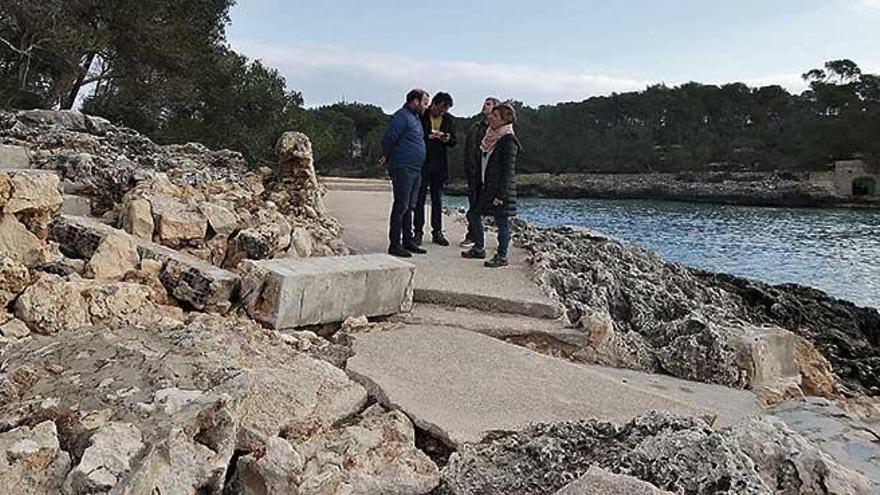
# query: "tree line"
164 68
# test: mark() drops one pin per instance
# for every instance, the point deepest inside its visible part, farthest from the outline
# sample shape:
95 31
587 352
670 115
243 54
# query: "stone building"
856 178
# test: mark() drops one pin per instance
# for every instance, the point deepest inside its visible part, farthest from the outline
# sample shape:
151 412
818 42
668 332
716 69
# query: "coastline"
770 189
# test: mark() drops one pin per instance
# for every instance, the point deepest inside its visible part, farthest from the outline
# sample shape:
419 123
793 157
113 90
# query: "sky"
546 51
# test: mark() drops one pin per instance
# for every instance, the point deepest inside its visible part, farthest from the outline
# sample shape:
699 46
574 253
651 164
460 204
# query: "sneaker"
496 262
414 249
399 252
467 242
473 255
439 240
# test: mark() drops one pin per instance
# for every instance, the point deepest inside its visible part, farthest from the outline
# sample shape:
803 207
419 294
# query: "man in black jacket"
439 136
472 160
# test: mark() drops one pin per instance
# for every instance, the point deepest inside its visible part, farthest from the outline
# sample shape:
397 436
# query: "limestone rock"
784 460
127 304
19 244
301 244
51 305
31 460
14 329
14 277
5 189
116 255
137 219
34 192
597 481
221 220
277 470
109 456
14 157
376 456
308 390
177 223
269 236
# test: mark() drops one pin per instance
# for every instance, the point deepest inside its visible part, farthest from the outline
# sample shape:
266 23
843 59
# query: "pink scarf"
493 136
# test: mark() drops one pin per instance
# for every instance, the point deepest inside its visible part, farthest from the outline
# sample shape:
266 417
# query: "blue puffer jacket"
404 142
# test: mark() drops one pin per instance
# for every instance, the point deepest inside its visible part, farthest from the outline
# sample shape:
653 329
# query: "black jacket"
436 162
500 182
472 154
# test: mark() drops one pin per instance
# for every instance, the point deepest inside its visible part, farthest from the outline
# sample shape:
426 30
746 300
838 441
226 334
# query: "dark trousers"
433 182
502 223
472 203
405 185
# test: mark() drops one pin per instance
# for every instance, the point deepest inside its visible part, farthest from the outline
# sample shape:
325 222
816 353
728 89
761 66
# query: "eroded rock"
31 460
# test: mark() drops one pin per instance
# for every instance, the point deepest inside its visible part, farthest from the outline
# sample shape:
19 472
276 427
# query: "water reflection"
834 250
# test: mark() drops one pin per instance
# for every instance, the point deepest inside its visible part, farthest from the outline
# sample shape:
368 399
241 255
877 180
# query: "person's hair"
416 94
507 113
442 97
495 101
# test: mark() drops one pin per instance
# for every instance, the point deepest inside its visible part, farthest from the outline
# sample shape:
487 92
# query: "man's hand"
381 162
497 202
445 138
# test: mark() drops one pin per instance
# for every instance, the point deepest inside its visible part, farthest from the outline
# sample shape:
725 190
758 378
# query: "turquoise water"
835 250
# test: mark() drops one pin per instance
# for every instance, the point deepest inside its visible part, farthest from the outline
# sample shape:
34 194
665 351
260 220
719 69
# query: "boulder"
51 305
14 329
269 236
31 460
177 224
277 469
35 199
301 244
115 256
137 219
19 244
14 277
597 481
123 303
376 456
220 219
109 456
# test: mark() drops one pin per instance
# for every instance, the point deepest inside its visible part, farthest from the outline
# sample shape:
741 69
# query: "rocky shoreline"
130 362
788 189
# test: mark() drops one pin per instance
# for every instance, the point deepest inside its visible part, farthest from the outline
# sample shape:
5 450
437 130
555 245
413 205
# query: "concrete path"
459 385
442 276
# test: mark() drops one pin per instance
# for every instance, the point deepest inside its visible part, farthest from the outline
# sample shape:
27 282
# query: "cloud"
327 74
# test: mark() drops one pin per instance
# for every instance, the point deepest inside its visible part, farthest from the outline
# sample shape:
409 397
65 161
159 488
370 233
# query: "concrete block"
290 293
14 157
188 279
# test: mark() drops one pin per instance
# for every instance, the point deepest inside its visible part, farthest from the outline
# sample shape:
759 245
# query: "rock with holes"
375 456
31 460
110 455
52 304
597 481
14 277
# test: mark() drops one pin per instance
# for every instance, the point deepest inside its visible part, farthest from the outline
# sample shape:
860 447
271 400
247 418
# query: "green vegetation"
163 68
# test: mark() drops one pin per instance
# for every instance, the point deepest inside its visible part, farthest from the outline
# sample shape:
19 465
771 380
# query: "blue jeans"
405 184
475 220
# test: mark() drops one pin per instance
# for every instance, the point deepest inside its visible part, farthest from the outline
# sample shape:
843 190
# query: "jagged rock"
19 244
301 245
269 235
176 223
14 329
787 463
34 192
377 456
115 256
306 391
5 189
597 481
127 304
276 470
221 220
14 157
111 452
691 323
31 460
137 219
14 277
51 305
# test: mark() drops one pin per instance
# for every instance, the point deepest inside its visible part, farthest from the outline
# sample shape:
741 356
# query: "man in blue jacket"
403 153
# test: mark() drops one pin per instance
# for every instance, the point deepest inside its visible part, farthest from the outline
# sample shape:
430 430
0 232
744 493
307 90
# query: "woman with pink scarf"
496 185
